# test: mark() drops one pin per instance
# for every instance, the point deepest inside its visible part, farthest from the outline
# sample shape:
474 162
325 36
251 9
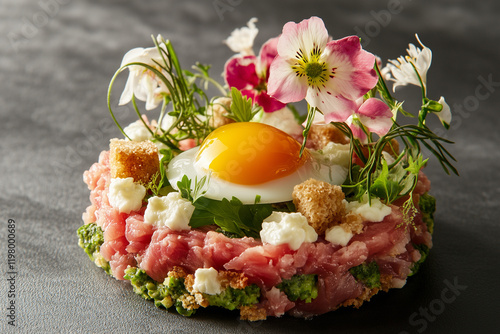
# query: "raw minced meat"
129 242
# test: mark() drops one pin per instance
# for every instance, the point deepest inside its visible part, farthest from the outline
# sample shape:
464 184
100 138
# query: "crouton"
138 160
320 202
321 134
219 110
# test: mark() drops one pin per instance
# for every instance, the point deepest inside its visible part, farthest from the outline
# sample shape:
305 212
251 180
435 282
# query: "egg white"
275 191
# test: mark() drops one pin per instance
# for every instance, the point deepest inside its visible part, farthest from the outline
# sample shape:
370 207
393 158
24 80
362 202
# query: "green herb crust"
232 299
368 274
173 292
427 206
90 238
424 251
303 287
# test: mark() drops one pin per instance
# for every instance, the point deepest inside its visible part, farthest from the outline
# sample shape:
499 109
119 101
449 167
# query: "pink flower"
330 74
249 74
373 115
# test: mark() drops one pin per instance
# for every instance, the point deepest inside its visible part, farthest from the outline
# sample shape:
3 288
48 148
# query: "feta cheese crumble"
374 212
287 228
206 280
171 210
125 195
338 236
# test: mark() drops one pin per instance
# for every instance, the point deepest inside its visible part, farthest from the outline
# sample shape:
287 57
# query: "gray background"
56 60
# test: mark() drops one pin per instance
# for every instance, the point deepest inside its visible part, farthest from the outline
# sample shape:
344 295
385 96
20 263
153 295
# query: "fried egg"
246 160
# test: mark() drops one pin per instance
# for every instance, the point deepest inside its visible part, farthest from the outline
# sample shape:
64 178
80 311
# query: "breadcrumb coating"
320 202
233 279
385 281
138 160
177 272
252 313
352 222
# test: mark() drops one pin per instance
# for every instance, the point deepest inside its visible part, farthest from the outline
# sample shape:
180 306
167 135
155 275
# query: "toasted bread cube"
138 160
321 134
320 202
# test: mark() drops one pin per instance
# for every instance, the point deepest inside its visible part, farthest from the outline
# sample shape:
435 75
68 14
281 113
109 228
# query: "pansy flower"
249 73
330 74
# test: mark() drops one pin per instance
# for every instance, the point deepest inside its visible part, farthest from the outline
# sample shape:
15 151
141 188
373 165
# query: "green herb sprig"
187 102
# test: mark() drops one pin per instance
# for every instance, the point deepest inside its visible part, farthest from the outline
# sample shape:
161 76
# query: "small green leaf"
184 186
385 186
242 109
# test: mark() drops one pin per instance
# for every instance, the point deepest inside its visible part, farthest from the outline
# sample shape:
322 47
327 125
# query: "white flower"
402 70
142 82
445 113
241 40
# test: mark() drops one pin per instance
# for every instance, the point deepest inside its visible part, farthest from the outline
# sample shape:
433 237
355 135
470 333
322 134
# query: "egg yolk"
250 153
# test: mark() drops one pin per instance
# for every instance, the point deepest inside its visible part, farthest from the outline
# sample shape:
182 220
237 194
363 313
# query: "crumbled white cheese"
282 119
171 210
331 164
137 131
125 195
206 280
334 154
287 228
338 236
374 212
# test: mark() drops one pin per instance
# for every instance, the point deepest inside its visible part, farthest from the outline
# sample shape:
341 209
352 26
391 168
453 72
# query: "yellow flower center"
315 70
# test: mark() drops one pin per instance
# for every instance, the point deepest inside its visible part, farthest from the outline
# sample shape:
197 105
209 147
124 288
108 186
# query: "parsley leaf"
232 216
199 189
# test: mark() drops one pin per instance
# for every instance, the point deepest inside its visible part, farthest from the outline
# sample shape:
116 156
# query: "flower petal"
352 68
283 84
445 113
241 40
357 132
335 108
268 103
268 52
304 36
239 72
376 116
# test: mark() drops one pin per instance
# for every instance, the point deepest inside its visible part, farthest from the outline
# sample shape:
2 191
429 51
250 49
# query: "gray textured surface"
56 59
